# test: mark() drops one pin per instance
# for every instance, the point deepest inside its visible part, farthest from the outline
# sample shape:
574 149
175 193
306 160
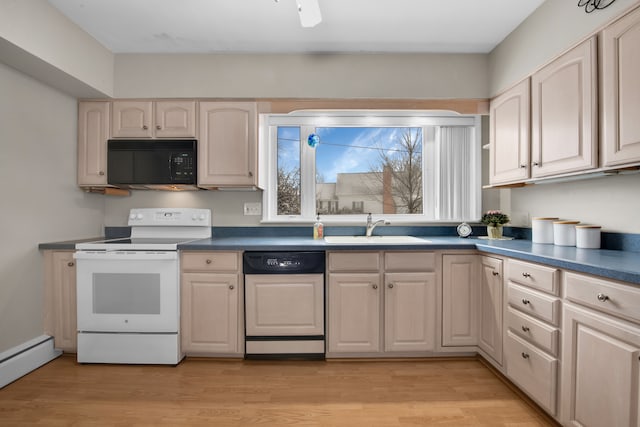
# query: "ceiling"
267 26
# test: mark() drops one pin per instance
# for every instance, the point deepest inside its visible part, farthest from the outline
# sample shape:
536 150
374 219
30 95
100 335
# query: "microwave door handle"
171 166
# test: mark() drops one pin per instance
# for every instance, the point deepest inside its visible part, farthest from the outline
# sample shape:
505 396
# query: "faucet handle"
369 216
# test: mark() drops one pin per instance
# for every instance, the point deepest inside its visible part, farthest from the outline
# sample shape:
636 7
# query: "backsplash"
613 241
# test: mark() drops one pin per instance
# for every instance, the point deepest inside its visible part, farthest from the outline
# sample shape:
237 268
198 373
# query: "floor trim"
26 357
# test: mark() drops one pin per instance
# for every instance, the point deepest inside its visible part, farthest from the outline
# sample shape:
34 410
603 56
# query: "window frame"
308 121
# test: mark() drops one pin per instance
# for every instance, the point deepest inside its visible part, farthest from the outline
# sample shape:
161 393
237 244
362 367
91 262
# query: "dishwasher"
284 304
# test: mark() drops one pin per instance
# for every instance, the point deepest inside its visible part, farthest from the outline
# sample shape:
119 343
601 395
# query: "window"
403 166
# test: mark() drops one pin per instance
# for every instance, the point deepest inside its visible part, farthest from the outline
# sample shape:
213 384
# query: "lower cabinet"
211 301
460 296
490 331
60 299
375 308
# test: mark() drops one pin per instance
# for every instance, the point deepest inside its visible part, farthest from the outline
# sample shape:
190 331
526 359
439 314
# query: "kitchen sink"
376 240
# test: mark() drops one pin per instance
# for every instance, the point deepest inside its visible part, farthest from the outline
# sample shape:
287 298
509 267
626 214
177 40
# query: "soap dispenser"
318 228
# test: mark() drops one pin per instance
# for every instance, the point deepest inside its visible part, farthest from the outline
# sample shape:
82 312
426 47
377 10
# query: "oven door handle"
125 255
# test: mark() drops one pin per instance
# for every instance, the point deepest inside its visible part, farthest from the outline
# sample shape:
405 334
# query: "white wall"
410 76
40 199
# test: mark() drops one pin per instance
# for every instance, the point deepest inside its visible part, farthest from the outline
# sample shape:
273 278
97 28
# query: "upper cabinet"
564 136
227 148
93 133
159 119
621 91
509 130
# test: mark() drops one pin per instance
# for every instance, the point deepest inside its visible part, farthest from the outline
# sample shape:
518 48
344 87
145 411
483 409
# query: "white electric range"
128 290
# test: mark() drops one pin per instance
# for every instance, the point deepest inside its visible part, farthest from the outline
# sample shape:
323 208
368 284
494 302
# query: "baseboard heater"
26 357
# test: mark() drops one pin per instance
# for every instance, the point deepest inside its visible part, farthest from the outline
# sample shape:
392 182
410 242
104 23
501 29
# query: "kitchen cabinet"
153 119
509 135
211 303
93 134
490 330
460 295
533 307
620 87
60 299
601 351
227 149
381 302
564 132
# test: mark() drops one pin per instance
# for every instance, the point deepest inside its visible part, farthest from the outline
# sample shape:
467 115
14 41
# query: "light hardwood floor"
265 393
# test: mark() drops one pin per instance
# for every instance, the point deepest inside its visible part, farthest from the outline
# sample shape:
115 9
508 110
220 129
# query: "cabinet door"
209 313
601 370
354 312
564 136
131 119
228 144
93 133
460 292
175 119
621 91
509 130
60 299
490 336
410 311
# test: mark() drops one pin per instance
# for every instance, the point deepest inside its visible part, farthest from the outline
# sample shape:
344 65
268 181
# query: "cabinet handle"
390 285
495 273
208 261
101 173
145 127
535 164
374 286
525 301
70 264
523 166
158 127
525 355
525 328
526 275
231 287
250 173
602 297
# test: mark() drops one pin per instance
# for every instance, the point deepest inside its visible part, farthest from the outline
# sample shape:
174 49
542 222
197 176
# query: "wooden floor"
265 393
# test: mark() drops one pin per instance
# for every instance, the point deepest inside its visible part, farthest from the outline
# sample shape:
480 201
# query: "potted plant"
494 220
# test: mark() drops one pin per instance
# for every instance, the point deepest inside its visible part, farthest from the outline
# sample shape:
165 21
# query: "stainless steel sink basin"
376 240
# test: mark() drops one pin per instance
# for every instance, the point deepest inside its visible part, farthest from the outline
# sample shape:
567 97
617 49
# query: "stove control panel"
169 217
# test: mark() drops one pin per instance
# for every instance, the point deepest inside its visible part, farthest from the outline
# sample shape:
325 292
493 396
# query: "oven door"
127 291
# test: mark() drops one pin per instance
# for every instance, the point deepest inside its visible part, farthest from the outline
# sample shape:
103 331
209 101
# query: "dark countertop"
618 265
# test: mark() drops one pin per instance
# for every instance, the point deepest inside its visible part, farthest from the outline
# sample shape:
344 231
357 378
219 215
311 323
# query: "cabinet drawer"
534 303
354 261
533 370
534 331
603 295
210 261
535 276
409 261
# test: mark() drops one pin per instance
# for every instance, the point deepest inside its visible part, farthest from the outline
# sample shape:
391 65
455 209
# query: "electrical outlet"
253 208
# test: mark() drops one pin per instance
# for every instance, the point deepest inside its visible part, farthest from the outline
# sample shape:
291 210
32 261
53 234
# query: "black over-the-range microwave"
151 162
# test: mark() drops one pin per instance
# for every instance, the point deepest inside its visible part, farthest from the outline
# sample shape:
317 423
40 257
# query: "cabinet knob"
535 164
250 173
208 261
495 273
390 285
374 286
158 127
525 328
602 297
101 173
526 275
523 166
524 355
231 287
145 127
525 301
70 263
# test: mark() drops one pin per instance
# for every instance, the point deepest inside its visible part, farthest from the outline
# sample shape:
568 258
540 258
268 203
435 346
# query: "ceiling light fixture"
309 12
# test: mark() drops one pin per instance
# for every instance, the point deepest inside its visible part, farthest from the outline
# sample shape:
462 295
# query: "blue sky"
341 149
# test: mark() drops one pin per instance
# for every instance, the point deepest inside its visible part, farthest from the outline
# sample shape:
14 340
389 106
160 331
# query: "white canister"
542 230
588 236
564 233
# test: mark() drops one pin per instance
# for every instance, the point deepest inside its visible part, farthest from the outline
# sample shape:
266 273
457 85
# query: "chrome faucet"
371 225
